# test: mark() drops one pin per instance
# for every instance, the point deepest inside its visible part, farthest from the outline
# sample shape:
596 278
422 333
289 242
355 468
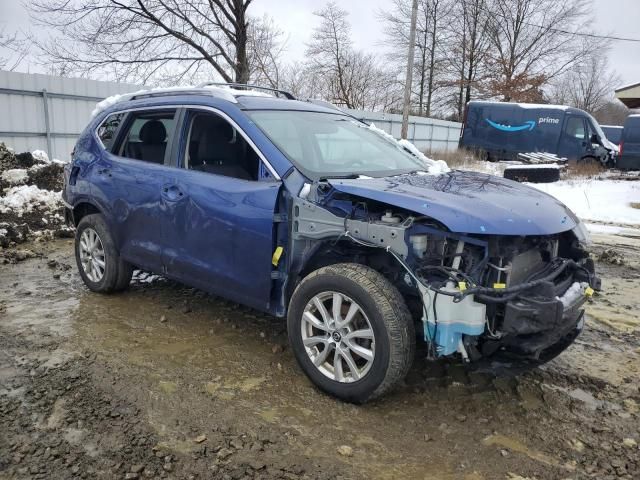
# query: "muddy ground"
163 381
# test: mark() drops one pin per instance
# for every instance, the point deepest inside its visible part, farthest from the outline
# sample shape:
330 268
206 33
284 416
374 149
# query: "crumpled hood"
468 202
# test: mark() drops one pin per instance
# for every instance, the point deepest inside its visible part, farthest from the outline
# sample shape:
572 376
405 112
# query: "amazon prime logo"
553 121
528 125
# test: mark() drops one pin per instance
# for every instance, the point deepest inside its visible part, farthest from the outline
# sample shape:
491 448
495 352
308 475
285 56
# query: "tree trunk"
242 61
464 59
432 58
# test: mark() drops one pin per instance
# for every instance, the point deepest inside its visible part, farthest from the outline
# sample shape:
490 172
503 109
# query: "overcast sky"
614 17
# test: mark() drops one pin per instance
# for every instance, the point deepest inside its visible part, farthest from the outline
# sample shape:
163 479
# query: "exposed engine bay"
474 295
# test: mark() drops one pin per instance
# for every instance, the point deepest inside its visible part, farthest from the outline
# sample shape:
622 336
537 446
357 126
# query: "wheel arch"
82 209
336 251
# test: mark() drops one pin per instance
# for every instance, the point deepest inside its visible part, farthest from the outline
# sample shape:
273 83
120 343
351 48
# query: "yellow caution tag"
462 286
276 256
588 292
499 285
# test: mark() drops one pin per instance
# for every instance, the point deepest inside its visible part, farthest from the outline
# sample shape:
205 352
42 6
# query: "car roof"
243 99
274 103
530 106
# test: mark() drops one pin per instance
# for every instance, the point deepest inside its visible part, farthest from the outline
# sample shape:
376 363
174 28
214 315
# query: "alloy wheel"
92 255
338 337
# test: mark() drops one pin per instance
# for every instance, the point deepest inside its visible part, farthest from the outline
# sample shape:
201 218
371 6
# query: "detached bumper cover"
534 325
539 321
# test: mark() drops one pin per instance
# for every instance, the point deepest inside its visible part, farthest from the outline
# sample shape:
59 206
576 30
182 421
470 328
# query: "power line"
566 32
590 35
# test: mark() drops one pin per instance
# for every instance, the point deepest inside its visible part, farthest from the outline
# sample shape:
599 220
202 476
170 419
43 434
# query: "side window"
215 146
147 135
108 129
575 128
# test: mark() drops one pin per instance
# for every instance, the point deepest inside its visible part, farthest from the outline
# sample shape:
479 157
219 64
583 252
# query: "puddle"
516 446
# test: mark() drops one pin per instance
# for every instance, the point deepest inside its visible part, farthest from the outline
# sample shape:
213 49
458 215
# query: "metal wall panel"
69 103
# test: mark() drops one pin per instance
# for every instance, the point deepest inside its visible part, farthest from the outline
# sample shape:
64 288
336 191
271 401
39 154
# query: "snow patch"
15 176
26 198
596 228
434 167
605 201
40 156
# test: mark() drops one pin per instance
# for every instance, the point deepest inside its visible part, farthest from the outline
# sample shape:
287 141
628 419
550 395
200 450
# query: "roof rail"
175 91
287 95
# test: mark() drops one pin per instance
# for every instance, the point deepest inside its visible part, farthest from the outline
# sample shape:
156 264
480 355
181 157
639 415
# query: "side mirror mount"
595 139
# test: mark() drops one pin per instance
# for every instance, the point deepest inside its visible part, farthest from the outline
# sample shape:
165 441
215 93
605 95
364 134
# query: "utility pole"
409 79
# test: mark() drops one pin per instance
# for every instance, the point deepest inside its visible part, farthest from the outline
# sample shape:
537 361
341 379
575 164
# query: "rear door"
130 176
630 158
218 222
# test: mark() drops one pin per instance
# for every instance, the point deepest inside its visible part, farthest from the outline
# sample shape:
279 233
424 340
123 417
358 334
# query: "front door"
574 139
218 226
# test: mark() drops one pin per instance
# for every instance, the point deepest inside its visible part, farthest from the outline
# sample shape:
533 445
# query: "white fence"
42 112
428 134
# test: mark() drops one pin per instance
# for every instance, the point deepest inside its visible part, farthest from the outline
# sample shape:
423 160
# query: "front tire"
99 263
351 331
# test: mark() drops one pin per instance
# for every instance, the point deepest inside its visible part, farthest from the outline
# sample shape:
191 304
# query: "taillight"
620 148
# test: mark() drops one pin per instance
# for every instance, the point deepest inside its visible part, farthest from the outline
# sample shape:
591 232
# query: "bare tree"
430 43
147 40
347 77
469 49
531 44
12 50
588 85
265 47
613 112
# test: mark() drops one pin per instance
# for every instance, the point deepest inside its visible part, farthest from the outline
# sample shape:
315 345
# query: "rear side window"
109 128
147 135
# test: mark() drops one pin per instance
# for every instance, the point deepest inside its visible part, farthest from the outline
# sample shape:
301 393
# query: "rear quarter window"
109 128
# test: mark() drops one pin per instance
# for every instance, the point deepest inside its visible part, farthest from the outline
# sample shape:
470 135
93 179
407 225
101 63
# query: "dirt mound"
611 257
30 201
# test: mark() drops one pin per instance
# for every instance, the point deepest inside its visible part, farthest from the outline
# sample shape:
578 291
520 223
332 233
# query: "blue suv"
297 209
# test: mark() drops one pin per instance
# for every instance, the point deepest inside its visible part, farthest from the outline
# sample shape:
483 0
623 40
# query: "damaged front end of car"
474 293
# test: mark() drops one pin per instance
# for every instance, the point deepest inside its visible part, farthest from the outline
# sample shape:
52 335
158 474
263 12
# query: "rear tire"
359 349
99 263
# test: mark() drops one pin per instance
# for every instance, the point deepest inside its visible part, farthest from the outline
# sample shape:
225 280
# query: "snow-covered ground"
604 201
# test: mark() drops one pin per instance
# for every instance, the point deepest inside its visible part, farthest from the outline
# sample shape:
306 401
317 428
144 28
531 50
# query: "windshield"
324 145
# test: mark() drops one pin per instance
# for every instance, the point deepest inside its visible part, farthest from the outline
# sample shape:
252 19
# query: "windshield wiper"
347 176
